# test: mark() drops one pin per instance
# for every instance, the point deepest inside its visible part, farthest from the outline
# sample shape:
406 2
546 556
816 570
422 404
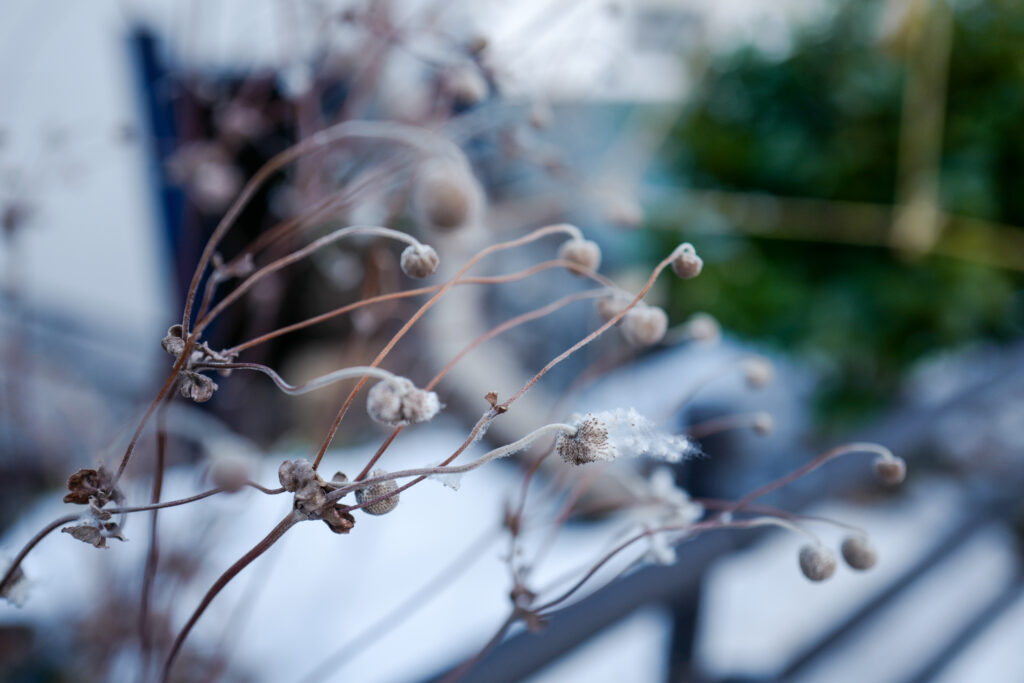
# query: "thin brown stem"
20 557
276 533
153 554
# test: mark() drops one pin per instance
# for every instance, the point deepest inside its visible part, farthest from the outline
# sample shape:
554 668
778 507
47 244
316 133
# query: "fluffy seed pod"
445 195
383 488
644 325
758 372
398 401
584 253
817 562
590 443
686 263
419 260
890 471
859 553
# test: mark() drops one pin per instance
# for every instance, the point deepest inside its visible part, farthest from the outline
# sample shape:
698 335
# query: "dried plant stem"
501 452
294 257
60 521
459 565
464 668
725 423
413 137
838 451
276 533
488 280
526 239
311 385
153 553
490 334
690 530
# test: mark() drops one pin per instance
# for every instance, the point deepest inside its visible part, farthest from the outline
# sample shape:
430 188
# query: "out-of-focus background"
850 171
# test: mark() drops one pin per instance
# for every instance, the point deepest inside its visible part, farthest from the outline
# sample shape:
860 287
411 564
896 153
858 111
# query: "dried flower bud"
398 401
686 263
611 304
173 342
85 485
86 533
294 474
759 372
584 253
445 195
419 260
338 520
763 423
229 472
890 471
590 443
817 562
644 325
703 327
859 553
197 386
377 490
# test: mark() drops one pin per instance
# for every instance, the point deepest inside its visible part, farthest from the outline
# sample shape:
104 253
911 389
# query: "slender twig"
276 533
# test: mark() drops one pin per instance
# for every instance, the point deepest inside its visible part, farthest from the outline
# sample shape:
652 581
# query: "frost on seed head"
859 553
890 471
419 260
685 262
644 325
397 401
584 253
817 562
609 435
373 491
445 195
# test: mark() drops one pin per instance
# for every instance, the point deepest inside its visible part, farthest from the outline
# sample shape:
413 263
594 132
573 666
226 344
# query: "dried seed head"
373 491
611 304
445 195
590 443
703 327
758 371
398 401
295 474
686 263
197 386
173 342
859 553
890 471
644 325
339 521
584 253
419 260
85 486
763 423
817 562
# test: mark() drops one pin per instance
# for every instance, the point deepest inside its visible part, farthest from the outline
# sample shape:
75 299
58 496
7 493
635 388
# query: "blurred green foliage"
823 122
